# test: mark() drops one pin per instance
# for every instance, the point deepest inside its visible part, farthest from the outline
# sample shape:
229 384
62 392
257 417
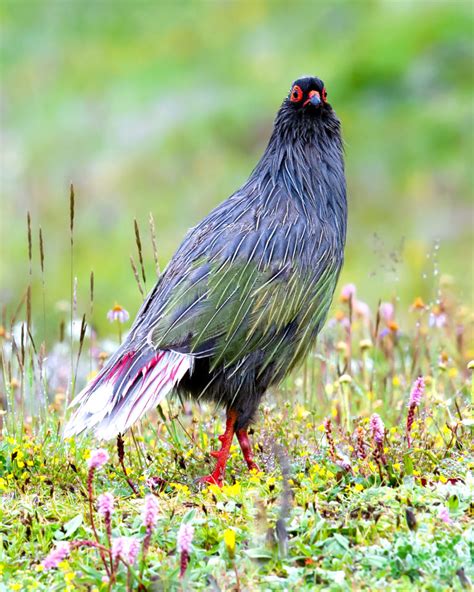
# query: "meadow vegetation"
365 460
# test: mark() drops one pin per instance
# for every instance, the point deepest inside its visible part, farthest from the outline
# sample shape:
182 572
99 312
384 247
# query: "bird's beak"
314 98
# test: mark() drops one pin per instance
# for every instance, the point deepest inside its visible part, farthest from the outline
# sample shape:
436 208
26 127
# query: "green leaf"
189 516
69 528
453 503
259 553
341 540
408 465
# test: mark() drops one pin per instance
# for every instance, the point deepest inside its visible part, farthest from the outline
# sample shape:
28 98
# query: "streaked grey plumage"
242 300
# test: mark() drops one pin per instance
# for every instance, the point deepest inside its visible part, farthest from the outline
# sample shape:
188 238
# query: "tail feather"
129 386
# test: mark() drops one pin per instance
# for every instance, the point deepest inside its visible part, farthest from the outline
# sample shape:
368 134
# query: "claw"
210 480
252 465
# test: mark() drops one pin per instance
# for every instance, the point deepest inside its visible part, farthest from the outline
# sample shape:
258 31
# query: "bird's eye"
296 94
324 95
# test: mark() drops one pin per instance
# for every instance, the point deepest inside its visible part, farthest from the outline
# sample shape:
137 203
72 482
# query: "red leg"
244 442
217 476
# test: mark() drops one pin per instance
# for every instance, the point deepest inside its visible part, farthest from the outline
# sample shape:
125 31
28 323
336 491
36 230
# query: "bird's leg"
217 476
246 447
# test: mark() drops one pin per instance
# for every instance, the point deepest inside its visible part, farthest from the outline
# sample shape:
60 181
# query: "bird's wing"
236 285
248 289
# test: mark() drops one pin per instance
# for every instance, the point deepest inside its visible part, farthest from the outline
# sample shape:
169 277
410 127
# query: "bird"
242 300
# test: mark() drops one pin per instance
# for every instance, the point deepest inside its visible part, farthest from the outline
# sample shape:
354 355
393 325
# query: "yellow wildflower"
64 565
418 303
213 488
452 372
229 542
232 490
301 412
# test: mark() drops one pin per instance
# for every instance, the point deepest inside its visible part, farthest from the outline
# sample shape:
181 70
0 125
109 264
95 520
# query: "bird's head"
308 95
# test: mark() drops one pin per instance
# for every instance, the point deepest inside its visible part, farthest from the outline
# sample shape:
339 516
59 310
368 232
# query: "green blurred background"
166 108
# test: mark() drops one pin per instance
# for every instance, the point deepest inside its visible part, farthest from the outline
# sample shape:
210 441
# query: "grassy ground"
330 509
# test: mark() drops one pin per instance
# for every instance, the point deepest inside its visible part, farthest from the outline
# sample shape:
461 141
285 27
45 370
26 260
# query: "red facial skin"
297 94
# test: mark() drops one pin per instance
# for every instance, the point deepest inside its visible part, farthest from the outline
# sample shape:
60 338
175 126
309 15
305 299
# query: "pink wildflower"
378 433
415 398
125 548
362 309
344 463
150 518
348 291
377 427
387 311
359 435
58 554
184 540
329 438
417 392
105 504
118 313
98 458
185 537
150 512
348 294
117 547
443 514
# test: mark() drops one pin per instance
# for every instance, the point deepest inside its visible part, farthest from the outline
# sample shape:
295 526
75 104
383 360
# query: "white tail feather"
110 411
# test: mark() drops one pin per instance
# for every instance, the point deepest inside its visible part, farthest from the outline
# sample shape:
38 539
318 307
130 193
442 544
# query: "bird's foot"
217 476
253 466
210 479
246 447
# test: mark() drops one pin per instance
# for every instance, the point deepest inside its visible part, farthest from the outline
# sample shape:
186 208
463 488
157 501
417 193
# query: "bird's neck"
305 160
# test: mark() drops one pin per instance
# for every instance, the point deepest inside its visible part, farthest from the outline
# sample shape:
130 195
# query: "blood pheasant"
243 298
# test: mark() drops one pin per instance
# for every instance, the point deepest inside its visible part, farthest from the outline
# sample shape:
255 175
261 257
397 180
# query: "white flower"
118 313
